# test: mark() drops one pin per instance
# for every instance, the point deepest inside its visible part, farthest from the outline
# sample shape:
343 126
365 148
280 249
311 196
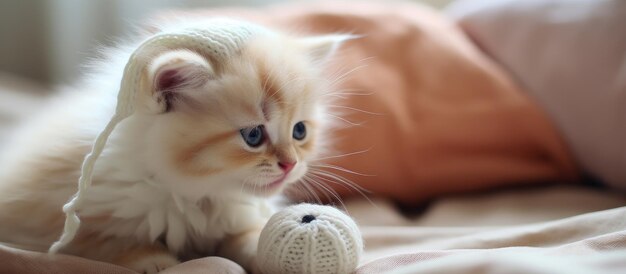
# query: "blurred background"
44 42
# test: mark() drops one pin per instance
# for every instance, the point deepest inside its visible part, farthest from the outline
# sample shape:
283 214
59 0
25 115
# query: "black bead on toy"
307 219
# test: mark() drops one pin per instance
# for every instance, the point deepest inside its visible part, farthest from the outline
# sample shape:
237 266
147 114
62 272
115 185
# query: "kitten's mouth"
277 183
271 187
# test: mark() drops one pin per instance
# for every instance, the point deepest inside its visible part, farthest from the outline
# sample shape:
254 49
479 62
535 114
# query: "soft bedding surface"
506 232
561 229
541 229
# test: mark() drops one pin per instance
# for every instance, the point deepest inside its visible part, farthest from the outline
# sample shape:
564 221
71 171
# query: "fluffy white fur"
150 189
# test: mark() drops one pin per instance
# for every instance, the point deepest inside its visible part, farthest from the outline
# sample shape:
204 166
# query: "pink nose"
286 166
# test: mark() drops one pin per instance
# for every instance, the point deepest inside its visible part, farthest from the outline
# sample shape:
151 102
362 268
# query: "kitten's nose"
287 166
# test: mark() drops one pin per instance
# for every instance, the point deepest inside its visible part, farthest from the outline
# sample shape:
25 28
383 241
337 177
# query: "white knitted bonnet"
217 39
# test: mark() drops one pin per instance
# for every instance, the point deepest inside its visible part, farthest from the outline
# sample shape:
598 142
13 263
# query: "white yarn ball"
309 239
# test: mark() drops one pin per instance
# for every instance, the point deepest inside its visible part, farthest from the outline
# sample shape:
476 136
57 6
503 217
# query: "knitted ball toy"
309 239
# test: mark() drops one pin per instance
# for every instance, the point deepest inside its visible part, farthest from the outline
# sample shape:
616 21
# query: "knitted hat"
309 239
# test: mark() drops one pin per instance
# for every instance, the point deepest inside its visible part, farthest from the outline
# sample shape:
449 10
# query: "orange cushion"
450 119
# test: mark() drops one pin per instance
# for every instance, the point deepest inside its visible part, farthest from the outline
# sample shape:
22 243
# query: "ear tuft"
175 72
320 48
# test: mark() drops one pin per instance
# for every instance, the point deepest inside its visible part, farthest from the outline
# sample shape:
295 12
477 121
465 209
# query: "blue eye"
299 131
253 136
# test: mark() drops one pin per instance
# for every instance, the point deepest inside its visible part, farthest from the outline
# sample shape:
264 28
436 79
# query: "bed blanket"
560 229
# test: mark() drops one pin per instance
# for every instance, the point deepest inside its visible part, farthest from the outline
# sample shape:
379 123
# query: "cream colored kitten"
195 179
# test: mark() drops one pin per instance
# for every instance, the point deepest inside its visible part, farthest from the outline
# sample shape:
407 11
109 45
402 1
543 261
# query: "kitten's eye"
253 136
299 131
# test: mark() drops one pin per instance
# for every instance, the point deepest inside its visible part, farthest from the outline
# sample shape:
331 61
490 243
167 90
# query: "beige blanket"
539 230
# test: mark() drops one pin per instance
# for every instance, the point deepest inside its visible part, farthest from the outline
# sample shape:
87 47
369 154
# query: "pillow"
571 57
445 118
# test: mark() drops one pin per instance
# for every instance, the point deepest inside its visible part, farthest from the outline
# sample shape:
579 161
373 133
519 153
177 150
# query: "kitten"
195 179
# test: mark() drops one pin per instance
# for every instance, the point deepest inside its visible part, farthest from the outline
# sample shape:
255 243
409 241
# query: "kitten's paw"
153 263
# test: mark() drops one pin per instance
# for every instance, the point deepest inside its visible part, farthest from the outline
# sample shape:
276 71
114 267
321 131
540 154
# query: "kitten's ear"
320 48
176 72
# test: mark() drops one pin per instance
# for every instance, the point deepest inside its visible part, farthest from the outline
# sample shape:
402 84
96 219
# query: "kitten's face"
249 125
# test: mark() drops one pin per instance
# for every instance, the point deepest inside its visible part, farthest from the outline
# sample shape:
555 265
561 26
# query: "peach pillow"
450 119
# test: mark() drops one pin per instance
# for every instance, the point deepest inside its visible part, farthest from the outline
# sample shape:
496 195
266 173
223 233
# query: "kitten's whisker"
325 177
311 182
344 120
325 186
348 91
344 75
317 198
355 109
343 68
289 82
332 192
357 188
310 193
340 178
345 94
303 190
341 169
366 59
342 155
336 95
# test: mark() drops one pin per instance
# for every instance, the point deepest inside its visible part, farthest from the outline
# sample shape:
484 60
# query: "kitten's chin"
269 189
277 185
